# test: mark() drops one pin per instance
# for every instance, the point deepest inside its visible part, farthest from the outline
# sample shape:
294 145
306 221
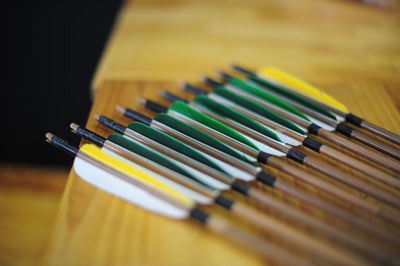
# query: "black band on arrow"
158 108
262 157
345 130
313 129
240 187
194 90
91 136
243 70
225 76
63 145
111 124
355 120
224 202
199 215
312 144
172 97
137 117
265 178
296 155
212 83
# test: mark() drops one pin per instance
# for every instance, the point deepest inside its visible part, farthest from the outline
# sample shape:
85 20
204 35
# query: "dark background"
50 53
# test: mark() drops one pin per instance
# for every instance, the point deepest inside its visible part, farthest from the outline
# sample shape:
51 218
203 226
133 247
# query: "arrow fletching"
261 110
242 85
188 111
110 183
154 156
225 111
285 92
193 132
300 86
168 141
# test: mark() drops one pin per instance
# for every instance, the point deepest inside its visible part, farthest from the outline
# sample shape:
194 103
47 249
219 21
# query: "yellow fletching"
145 178
300 86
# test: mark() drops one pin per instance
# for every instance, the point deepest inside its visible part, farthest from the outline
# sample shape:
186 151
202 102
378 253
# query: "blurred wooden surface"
31 194
327 42
347 49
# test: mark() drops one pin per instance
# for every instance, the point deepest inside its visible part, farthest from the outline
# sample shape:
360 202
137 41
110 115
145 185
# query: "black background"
50 52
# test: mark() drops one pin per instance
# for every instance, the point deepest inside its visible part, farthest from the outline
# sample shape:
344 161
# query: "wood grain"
27 193
332 43
346 49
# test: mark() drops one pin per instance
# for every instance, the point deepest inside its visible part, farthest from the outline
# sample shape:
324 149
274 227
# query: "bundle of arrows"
236 134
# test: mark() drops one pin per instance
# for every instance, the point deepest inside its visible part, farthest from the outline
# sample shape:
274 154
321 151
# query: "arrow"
262 97
152 133
300 91
131 184
266 117
220 113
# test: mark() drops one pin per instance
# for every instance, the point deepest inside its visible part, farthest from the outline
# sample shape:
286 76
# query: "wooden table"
30 193
349 50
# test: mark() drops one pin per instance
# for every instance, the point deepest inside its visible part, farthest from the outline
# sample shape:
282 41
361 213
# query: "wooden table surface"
27 193
349 50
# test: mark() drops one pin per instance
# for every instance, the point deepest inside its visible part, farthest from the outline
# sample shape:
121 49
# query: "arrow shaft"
365 152
381 132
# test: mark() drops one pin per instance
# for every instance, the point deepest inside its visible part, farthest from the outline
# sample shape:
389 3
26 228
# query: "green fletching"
255 107
174 144
150 154
188 111
265 96
193 132
292 95
229 113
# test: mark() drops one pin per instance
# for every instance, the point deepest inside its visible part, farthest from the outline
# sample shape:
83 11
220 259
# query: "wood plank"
327 42
27 193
